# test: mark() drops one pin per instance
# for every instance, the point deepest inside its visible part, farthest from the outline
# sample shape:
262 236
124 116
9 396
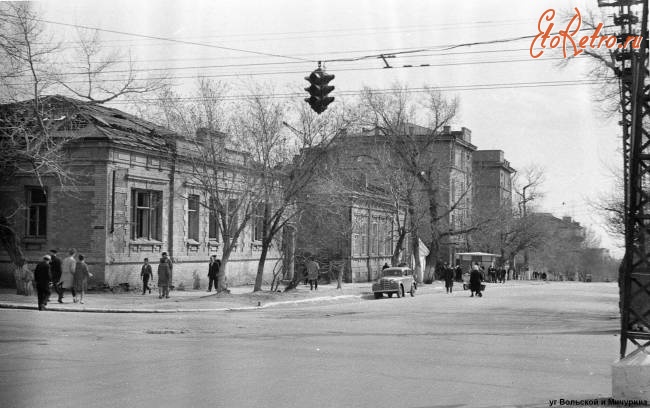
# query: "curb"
17 306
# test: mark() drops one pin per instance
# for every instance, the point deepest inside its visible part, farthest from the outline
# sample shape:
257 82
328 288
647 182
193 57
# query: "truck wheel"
412 291
379 295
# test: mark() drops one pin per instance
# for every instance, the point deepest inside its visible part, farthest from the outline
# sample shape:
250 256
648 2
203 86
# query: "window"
36 212
388 250
363 226
356 237
193 217
258 222
146 214
213 222
374 235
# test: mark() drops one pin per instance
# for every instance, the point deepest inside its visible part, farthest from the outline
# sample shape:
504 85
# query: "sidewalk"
239 298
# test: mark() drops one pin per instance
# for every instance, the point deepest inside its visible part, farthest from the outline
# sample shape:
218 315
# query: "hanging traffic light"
319 89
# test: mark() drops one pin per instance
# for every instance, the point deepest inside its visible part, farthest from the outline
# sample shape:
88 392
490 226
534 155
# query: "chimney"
467 134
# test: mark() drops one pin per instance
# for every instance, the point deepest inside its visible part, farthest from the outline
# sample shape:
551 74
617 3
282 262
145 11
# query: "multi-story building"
369 161
134 197
492 179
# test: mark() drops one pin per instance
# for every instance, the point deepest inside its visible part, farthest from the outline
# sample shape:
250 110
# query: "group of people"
477 276
165 269
70 274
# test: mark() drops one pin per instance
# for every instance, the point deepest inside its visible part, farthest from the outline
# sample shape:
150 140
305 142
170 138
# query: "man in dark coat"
475 279
213 273
56 271
146 274
42 277
448 275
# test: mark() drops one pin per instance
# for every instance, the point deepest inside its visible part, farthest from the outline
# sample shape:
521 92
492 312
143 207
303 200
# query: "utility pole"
634 276
631 375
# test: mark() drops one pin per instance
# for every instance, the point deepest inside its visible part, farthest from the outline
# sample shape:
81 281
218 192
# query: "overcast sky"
560 127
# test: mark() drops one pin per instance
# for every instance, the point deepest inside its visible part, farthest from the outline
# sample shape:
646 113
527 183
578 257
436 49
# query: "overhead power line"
262 73
473 87
164 39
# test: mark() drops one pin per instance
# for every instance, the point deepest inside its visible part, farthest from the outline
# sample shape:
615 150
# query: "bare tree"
611 206
27 146
285 162
527 185
394 116
94 64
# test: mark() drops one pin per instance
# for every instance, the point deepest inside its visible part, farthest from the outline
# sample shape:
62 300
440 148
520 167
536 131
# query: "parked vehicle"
396 280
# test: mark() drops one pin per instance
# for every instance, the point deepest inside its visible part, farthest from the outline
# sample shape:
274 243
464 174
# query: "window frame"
153 211
40 213
193 214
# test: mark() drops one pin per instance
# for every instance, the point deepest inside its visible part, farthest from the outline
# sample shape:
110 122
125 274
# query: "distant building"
560 256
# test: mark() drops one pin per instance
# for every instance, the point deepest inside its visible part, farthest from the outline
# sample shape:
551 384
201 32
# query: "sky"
537 111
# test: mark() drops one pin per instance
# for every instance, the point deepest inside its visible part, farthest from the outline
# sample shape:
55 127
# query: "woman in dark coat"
475 280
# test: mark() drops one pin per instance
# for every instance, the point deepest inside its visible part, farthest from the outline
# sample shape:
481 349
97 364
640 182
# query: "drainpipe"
170 218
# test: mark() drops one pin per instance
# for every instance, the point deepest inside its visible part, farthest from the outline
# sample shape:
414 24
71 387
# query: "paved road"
517 346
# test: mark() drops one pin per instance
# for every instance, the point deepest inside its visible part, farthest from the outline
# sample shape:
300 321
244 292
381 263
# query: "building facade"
133 199
492 178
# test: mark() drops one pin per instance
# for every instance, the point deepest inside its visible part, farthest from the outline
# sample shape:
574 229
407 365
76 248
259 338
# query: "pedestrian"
492 274
146 274
43 277
164 276
81 276
449 278
56 270
68 266
385 266
213 273
474 267
459 273
312 274
475 279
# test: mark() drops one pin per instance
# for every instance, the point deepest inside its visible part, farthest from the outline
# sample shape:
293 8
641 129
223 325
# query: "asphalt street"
516 346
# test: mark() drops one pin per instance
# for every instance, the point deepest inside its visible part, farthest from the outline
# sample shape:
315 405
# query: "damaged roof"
64 114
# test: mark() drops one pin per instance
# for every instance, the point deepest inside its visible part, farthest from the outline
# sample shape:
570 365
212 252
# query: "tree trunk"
416 260
369 268
339 278
260 265
415 240
394 260
221 277
10 242
288 251
432 258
